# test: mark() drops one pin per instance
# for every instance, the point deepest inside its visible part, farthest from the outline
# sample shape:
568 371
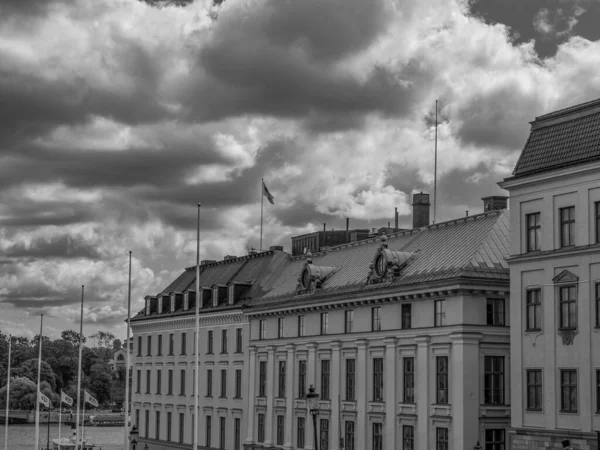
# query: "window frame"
209 383
348 321
222 432
408 437
494 376
280 430
262 379
323 434
377 436
300 432
210 343
302 378
239 345
301 326
159 346
378 386
148 380
442 438
441 380
238 383
183 344
597 222
169 381
324 323
171 344
568 322
158 381
349 434
597 391
491 440
535 389
223 383
149 345
262 329
280 324
260 435
406 316
281 374
533 309
570 406
350 380
376 318
169 426
533 232
597 303
496 312
224 349
439 312
567 224
325 379
208 428
182 381
408 380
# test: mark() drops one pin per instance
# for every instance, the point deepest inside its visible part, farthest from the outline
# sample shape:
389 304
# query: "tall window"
598 391
209 383
324 434
181 427
441 438
534 310
209 343
159 349
138 382
597 305
597 221
441 378
261 428
139 346
262 329
440 312
301 379
408 437
183 343
377 436
223 341
377 379
409 379
324 322
349 321
280 429
170 382
171 344
262 379
301 432
281 379
280 327
534 389
148 375
301 330
495 311
158 381
406 316
147 423
325 372
567 226
149 347
349 431
169 425
208 428
376 318
493 390
568 387
157 426
238 340
182 382
568 310
221 432
495 439
238 383
223 383
350 380
237 434
533 232
137 419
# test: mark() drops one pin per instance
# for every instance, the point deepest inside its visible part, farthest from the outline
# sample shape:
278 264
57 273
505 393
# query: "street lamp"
312 398
133 435
477 447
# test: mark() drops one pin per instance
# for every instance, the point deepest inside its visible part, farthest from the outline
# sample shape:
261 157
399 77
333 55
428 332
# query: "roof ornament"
312 277
387 264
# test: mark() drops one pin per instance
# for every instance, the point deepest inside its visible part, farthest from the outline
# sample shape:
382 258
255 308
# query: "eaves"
553 254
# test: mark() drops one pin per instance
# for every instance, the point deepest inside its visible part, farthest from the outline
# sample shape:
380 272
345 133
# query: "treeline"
59 368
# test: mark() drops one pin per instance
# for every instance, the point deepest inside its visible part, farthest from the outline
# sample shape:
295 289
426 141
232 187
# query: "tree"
101 381
103 339
72 337
117 345
23 393
29 370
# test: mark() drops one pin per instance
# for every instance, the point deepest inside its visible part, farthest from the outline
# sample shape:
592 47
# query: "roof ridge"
569 109
232 260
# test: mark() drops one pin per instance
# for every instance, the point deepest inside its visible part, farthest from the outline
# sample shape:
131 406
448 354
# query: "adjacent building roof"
562 138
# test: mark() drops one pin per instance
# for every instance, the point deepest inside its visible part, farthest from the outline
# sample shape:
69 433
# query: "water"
22 437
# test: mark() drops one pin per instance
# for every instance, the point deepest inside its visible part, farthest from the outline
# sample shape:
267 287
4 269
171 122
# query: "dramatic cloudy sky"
117 118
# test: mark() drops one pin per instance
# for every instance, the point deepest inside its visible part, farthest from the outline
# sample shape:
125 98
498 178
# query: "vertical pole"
262 199
83 423
315 432
48 437
79 372
127 362
37 395
59 417
435 164
197 312
6 419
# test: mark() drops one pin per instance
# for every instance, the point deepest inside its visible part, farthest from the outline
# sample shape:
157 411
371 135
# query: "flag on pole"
43 399
267 194
89 399
64 398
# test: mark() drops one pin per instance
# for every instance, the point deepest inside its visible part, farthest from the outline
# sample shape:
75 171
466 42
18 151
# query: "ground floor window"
300 436
408 437
495 439
377 436
324 432
441 438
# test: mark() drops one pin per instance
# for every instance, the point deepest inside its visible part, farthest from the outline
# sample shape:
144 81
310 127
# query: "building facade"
555 282
405 338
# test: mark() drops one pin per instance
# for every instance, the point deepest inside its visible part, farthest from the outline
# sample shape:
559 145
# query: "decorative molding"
567 336
159 323
387 264
565 277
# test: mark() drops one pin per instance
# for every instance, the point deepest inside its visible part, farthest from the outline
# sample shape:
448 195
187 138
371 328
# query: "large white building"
555 282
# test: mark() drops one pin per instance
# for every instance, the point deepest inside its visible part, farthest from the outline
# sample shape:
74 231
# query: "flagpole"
79 372
48 437
262 199
435 164
60 416
126 438
37 396
6 420
197 345
83 421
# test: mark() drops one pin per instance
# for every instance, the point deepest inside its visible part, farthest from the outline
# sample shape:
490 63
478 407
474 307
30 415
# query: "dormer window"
186 301
215 296
306 278
312 276
380 265
147 306
387 264
172 303
160 305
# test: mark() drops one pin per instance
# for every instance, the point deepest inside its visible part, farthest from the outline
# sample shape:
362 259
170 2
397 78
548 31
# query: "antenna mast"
435 163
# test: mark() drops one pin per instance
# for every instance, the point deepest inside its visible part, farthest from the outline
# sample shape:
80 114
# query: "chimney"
420 210
324 227
276 247
495 202
347 224
228 257
396 217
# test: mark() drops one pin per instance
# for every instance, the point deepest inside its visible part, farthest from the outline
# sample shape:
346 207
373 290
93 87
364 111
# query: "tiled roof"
563 138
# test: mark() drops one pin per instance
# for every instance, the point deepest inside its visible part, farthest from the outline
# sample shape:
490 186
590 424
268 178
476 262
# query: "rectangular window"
139 346
568 307
493 390
377 436
223 383
324 322
159 349
182 382
534 389
408 386
223 341
377 379
406 316
301 432
147 423
350 380
148 376
441 380
568 387
209 383
158 381
533 232
208 428
262 379
567 226
222 433
137 419
281 377
237 435
183 343
261 428
325 373
440 313
495 312
301 330
157 426
324 434
376 318
349 431
261 329
349 321
169 425
534 310
408 437
495 439
209 343
238 340
139 382
301 379
280 429
238 383
280 327
181 427
597 305
441 438
171 344
149 346
597 221
170 382
598 391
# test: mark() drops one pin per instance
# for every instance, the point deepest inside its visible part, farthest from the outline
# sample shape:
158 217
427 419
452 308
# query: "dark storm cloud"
403 177
63 246
28 7
57 213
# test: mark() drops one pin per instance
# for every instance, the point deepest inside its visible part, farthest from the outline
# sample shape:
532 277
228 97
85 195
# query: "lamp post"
312 398
133 435
477 446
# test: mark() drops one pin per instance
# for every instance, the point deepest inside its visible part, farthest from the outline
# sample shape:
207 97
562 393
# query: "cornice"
168 323
553 254
550 175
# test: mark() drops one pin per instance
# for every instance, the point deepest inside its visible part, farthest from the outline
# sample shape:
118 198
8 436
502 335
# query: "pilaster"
251 393
335 394
422 392
289 397
390 392
270 395
361 395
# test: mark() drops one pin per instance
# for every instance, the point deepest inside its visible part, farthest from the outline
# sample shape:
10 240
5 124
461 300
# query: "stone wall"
528 439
